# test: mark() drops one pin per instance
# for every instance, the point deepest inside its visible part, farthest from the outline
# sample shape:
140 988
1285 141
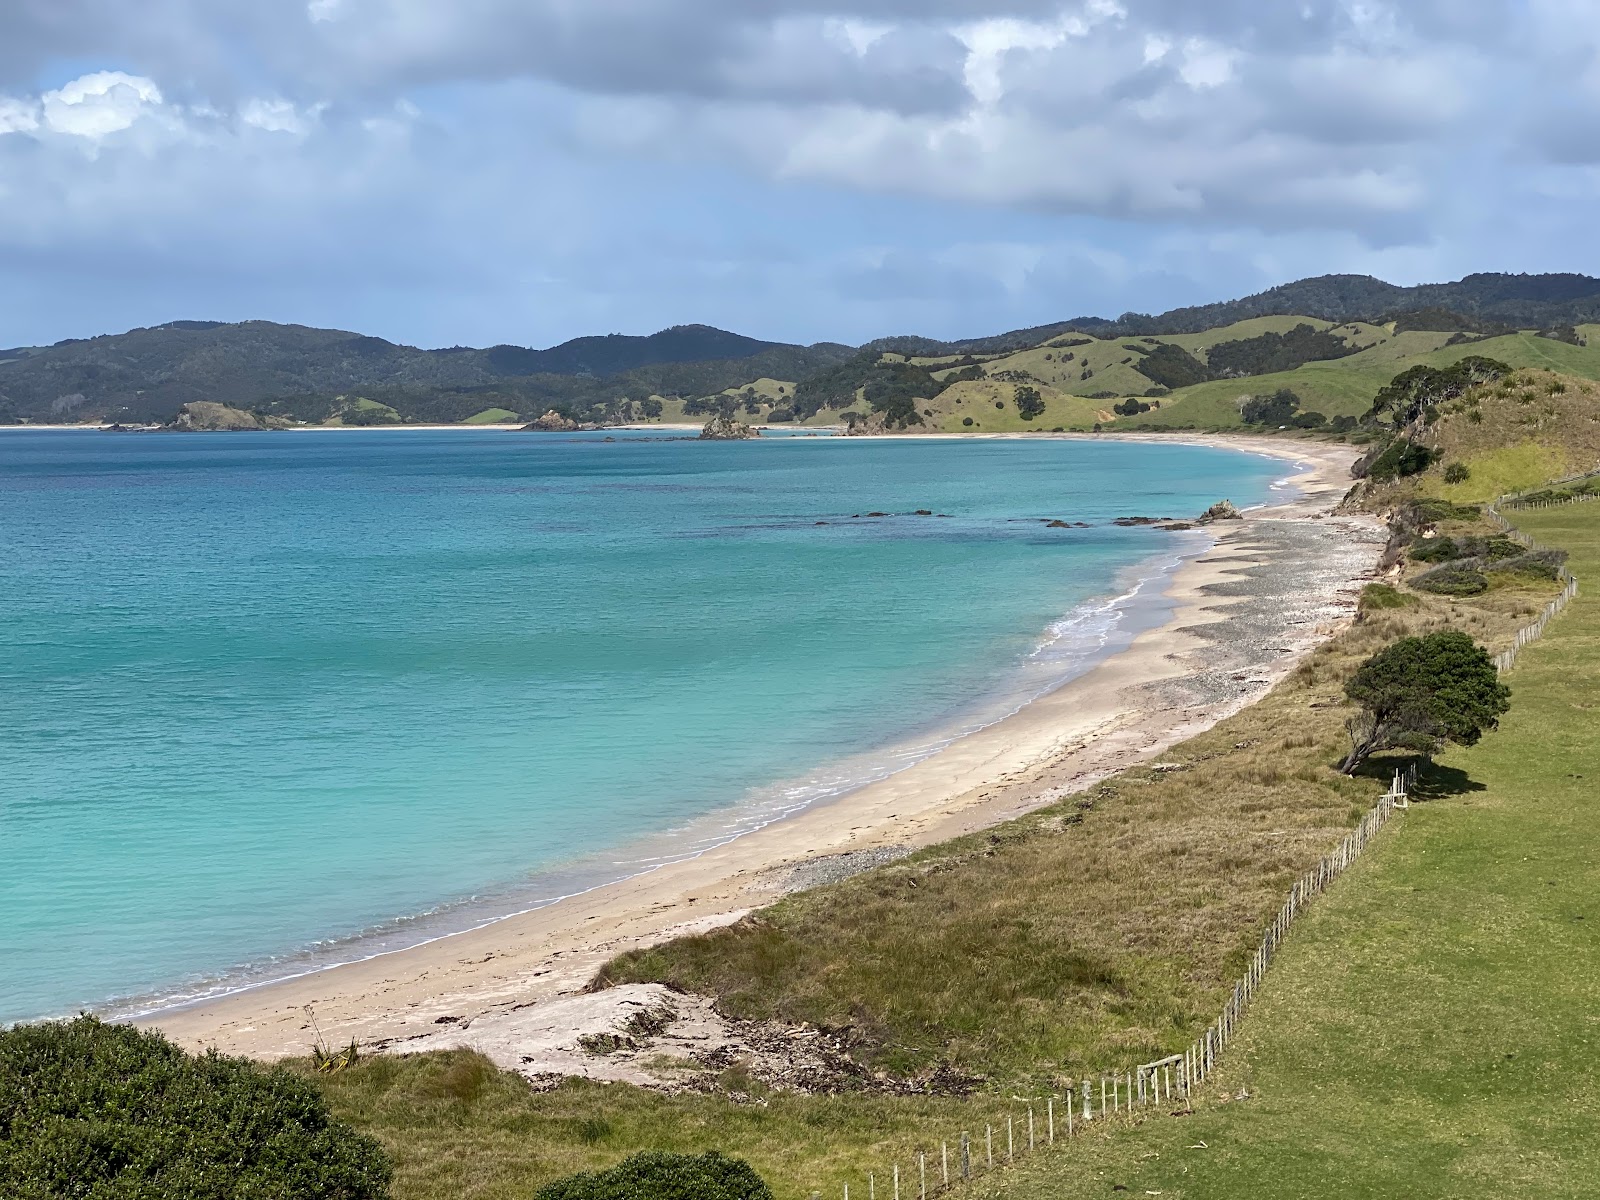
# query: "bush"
1536 564
1434 550
1461 578
1457 473
1400 458
657 1175
103 1112
1376 597
966 420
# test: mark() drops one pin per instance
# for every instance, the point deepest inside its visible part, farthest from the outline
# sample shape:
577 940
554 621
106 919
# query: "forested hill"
148 374
1512 301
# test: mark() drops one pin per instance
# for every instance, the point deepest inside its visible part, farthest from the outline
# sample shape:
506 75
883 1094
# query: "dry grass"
1099 931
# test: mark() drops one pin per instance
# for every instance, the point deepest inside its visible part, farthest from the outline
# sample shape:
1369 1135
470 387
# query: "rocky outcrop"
1222 510
207 416
552 422
726 429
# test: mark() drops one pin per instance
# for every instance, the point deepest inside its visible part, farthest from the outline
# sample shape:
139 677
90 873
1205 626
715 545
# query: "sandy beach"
1246 610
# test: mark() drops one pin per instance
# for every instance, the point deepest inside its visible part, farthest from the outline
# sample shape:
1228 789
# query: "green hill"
301 373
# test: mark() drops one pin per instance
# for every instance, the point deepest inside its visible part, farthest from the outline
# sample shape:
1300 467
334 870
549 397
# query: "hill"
309 374
1333 341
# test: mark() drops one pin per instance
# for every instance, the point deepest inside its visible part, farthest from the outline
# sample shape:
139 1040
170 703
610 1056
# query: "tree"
1412 394
1422 692
1029 403
662 1176
104 1111
1276 409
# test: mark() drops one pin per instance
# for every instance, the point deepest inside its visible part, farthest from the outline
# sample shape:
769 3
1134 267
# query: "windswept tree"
1422 692
1410 395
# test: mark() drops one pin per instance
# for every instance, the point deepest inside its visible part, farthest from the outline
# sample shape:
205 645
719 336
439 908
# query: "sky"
482 171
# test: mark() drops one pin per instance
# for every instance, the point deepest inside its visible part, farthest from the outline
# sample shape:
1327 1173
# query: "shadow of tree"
1434 782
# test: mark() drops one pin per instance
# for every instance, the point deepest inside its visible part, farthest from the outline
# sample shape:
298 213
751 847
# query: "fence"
1145 1088
1507 659
1127 1092
1516 500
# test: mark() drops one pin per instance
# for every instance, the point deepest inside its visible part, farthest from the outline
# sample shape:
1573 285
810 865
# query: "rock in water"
552 422
726 429
1222 510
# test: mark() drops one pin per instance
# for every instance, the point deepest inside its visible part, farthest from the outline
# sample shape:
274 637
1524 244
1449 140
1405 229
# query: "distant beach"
1244 612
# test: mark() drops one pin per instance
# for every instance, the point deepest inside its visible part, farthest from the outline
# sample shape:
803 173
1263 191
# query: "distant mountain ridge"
306 374
150 373
1517 301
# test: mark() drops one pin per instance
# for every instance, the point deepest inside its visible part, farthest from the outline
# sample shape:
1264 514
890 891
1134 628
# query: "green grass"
1430 1028
491 416
458 1129
1499 472
1346 386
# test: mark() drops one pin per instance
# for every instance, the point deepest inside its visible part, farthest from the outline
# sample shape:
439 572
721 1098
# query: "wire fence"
1507 659
1037 1124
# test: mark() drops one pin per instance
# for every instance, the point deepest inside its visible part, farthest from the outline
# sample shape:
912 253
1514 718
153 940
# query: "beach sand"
1271 587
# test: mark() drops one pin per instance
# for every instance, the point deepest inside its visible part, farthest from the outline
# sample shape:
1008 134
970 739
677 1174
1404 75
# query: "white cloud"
95 106
18 116
274 116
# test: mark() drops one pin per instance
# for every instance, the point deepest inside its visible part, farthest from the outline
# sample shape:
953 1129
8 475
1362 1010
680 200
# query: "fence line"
1515 500
1170 1081
1167 1082
1507 659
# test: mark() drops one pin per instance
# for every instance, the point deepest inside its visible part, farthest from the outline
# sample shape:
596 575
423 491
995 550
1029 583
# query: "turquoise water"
271 701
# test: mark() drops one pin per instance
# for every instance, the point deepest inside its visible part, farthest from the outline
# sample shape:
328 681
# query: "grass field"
1430 1029
491 416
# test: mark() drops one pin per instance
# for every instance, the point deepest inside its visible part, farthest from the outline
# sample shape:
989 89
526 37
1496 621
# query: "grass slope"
1346 386
491 416
1429 1029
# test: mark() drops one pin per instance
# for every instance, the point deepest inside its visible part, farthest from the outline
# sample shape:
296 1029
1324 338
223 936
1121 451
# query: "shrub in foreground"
657 1175
107 1112
1422 692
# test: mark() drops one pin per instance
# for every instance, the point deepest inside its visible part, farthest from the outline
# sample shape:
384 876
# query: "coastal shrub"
1460 578
1457 472
1535 564
1422 692
1400 458
657 1175
1434 550
104 1112
1376 597
966 420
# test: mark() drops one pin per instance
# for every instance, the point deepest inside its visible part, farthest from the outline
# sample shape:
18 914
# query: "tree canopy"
106 1112
1421 692
1409 396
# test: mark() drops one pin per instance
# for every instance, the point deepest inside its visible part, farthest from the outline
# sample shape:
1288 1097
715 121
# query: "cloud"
96 105
949 160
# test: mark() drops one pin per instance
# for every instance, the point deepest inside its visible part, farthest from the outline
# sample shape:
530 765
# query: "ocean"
274 701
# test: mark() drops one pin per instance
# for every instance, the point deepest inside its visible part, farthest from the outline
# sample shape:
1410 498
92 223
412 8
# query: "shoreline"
1127 707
